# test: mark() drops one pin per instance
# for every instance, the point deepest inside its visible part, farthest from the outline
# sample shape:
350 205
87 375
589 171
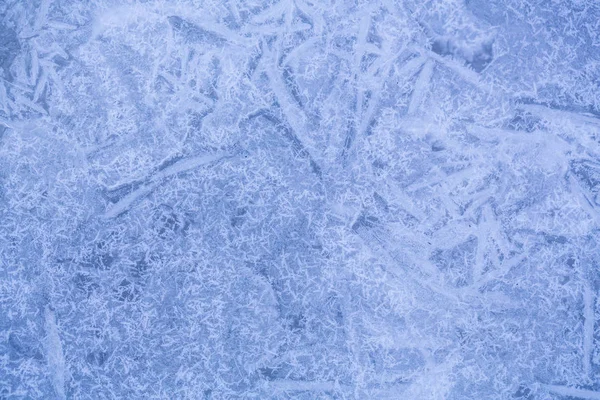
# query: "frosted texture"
298 199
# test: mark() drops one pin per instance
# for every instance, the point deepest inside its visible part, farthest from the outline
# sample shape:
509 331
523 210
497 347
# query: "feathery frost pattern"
300 199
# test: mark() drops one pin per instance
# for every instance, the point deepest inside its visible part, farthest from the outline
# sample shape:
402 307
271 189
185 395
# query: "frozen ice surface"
299 199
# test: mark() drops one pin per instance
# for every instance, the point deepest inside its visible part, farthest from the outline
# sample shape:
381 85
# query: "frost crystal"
298 199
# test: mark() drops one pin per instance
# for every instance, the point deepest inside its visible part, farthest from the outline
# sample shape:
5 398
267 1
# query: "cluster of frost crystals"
300 199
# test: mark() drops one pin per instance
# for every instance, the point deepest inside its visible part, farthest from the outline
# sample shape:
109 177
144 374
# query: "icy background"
300 199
